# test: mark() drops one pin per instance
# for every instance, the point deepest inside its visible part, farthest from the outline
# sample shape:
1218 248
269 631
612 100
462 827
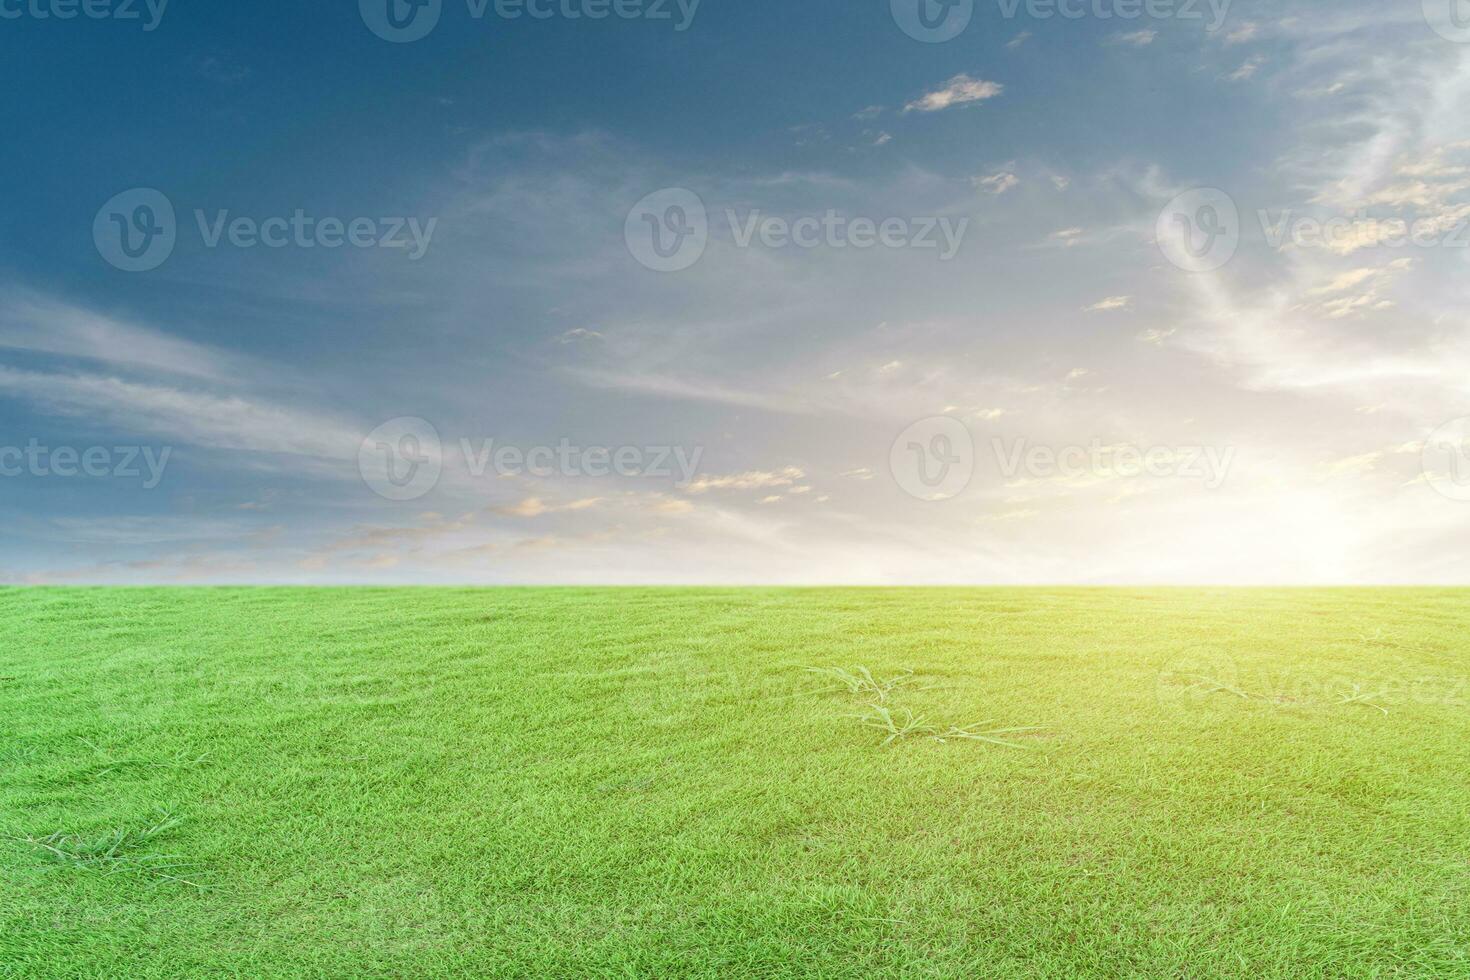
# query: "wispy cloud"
536 507
577 334
998 183
751 480
192 417
959 90
36 323
1245 32
1133 39
1247 69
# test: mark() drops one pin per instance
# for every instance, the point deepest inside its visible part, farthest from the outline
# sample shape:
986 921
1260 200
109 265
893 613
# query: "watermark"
146 13
1209 465
933 459
932 21
137 230
302 230
1199 230
835 230
1210 677
669 230
1450 19
1213 12
404 458
405 21
1446 459
1347 233
937 21
145 463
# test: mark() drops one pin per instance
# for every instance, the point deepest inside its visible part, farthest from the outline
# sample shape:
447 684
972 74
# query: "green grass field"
584 782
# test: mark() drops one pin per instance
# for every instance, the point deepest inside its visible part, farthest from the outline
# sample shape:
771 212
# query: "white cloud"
997 183
31 322
186 416
1243 33
579 333
536 507
1247 69
1134 39
959 90
1110 304
751 480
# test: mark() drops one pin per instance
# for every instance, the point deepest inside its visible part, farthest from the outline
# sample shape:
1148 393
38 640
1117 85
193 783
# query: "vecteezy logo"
1199 230
400 21
401 459
668 230
136 230
932 21
1447 459
1450 19
933 459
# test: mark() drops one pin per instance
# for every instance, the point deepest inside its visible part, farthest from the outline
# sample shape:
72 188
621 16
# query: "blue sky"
783 406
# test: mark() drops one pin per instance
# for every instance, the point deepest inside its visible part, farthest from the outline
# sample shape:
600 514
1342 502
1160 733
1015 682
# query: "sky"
651 291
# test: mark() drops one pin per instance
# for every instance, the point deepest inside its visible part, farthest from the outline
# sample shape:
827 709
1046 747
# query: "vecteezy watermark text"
936 21
137 230
148 13
568 459
934 459
305 231
404 21
1211 677
1200 229
1210 465
1346 233
1215 11
669 230
404 458
94 462
834 230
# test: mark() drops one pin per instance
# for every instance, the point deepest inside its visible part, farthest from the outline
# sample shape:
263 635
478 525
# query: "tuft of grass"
900 722
1358 696
861 681
179 761
907 725
124 849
